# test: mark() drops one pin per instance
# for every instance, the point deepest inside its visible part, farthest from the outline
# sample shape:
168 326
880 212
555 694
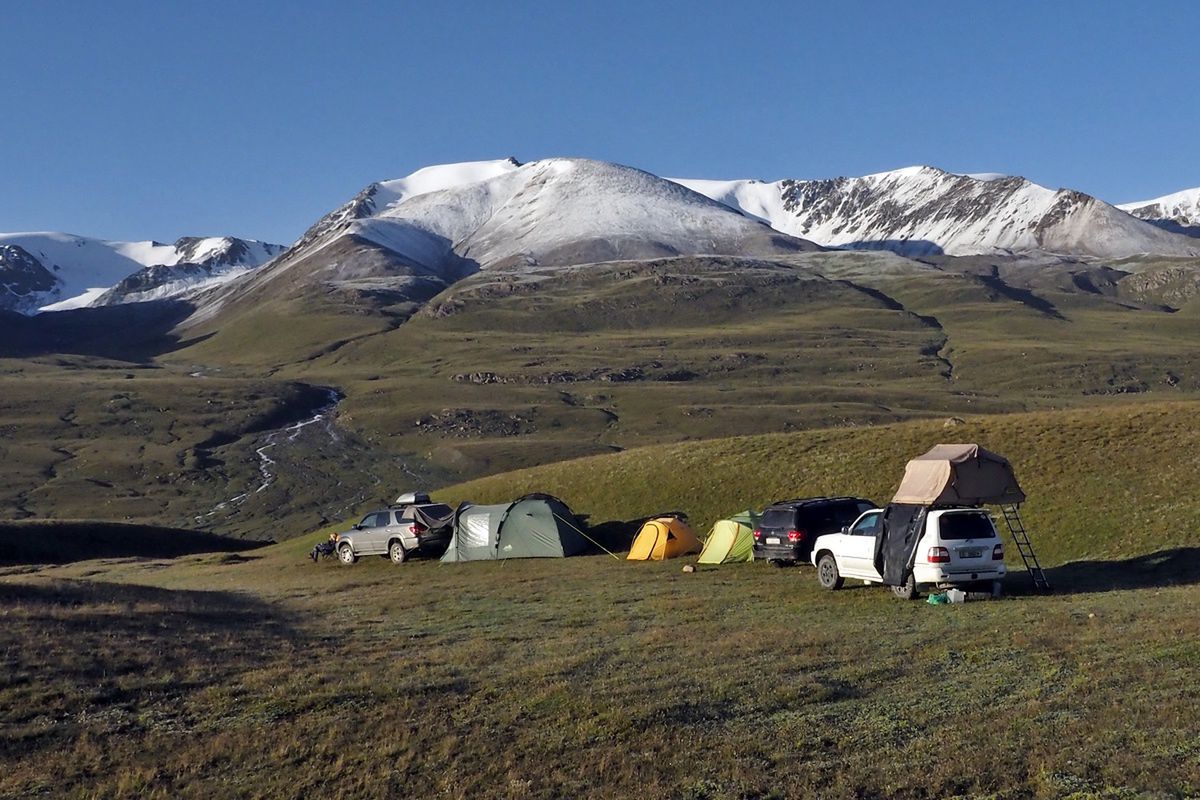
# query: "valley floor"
263 674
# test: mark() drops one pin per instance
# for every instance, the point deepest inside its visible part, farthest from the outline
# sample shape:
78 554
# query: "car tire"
346 555
907 590
396 552
827 573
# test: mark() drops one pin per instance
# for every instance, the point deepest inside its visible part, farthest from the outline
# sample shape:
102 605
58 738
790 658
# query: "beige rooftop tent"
959 474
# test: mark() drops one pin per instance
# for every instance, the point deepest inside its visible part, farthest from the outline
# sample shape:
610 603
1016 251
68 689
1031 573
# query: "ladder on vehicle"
1012 516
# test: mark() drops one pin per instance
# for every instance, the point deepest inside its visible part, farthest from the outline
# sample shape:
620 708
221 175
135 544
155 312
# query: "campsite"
550 677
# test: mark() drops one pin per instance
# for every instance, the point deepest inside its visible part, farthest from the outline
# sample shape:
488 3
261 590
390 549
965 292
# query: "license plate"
970 552
772 540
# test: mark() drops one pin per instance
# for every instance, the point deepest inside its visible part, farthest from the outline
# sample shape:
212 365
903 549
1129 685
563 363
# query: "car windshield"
777 518
966 526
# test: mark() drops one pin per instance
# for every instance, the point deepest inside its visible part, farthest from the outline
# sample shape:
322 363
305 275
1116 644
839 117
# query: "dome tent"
663 537
731 540
534 526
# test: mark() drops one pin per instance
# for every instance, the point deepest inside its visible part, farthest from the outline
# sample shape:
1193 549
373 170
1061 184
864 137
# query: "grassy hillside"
1116 481
508 370
265 674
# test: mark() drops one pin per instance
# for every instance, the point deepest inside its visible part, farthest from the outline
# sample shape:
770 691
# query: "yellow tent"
661 538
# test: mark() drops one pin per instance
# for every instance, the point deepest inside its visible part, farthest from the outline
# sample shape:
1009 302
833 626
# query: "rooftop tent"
731 540
959 474
535 526
661 538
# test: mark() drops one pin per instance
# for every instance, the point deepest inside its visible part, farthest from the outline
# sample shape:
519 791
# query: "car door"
858 546
372 536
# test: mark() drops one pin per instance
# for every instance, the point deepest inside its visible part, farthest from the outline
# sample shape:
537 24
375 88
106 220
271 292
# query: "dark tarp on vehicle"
896 545
426 516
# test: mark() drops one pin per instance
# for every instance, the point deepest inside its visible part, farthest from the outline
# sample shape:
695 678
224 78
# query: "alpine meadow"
239 480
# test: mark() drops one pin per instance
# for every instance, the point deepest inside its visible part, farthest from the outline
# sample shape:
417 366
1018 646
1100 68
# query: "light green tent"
731 540
536 526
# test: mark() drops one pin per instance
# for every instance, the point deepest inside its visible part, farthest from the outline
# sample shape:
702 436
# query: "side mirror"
845 529
357 527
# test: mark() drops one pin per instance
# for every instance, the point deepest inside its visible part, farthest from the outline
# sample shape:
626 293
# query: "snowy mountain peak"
921 209
82 269
1178 212
442 223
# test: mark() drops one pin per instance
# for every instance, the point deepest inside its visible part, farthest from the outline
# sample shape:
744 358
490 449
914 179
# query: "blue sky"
159 119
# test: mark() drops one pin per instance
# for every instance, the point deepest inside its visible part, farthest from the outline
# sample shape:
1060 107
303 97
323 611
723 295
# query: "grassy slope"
714 348
1116 481
267 674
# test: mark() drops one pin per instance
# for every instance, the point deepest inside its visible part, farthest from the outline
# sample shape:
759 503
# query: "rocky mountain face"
1178 212
924 210
58 271
23 280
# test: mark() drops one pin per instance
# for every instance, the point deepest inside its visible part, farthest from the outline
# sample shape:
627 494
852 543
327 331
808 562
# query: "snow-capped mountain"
443 223
58 271
1178 212
922 210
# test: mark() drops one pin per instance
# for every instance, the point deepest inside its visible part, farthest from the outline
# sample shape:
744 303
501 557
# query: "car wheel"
827 573
907 590
397 553
346 554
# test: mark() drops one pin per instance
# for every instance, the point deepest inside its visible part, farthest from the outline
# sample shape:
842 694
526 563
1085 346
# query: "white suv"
959 546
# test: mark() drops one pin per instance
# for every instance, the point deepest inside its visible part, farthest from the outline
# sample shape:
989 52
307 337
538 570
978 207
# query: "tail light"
938 555
418 528
757 535
795 536
998 553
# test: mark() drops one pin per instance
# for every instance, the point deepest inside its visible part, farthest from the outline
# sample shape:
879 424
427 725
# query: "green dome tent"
535 526
731 540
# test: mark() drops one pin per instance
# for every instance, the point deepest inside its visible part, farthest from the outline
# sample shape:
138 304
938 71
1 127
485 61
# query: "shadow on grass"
63 542
74 652
1178 566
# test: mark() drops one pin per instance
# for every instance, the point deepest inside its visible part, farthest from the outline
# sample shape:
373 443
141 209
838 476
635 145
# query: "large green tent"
730 540
535 526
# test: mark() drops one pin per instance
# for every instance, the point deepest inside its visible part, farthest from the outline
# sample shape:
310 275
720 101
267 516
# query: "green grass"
1117 481
263 674
583 677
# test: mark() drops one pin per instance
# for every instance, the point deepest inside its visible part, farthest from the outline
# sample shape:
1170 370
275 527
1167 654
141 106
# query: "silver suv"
398 533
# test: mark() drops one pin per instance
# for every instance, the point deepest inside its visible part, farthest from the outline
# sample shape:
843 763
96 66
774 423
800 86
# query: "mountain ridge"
924 210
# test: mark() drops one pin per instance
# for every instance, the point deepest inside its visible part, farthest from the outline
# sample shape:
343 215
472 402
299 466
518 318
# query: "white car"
959 546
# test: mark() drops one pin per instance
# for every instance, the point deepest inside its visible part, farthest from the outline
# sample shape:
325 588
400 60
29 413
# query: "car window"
966 526
374 519
437 510
778 518
868 525
829 517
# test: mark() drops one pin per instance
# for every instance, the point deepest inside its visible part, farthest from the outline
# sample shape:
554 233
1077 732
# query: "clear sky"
135 120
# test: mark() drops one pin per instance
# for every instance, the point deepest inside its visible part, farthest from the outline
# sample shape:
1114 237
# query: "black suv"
787 529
